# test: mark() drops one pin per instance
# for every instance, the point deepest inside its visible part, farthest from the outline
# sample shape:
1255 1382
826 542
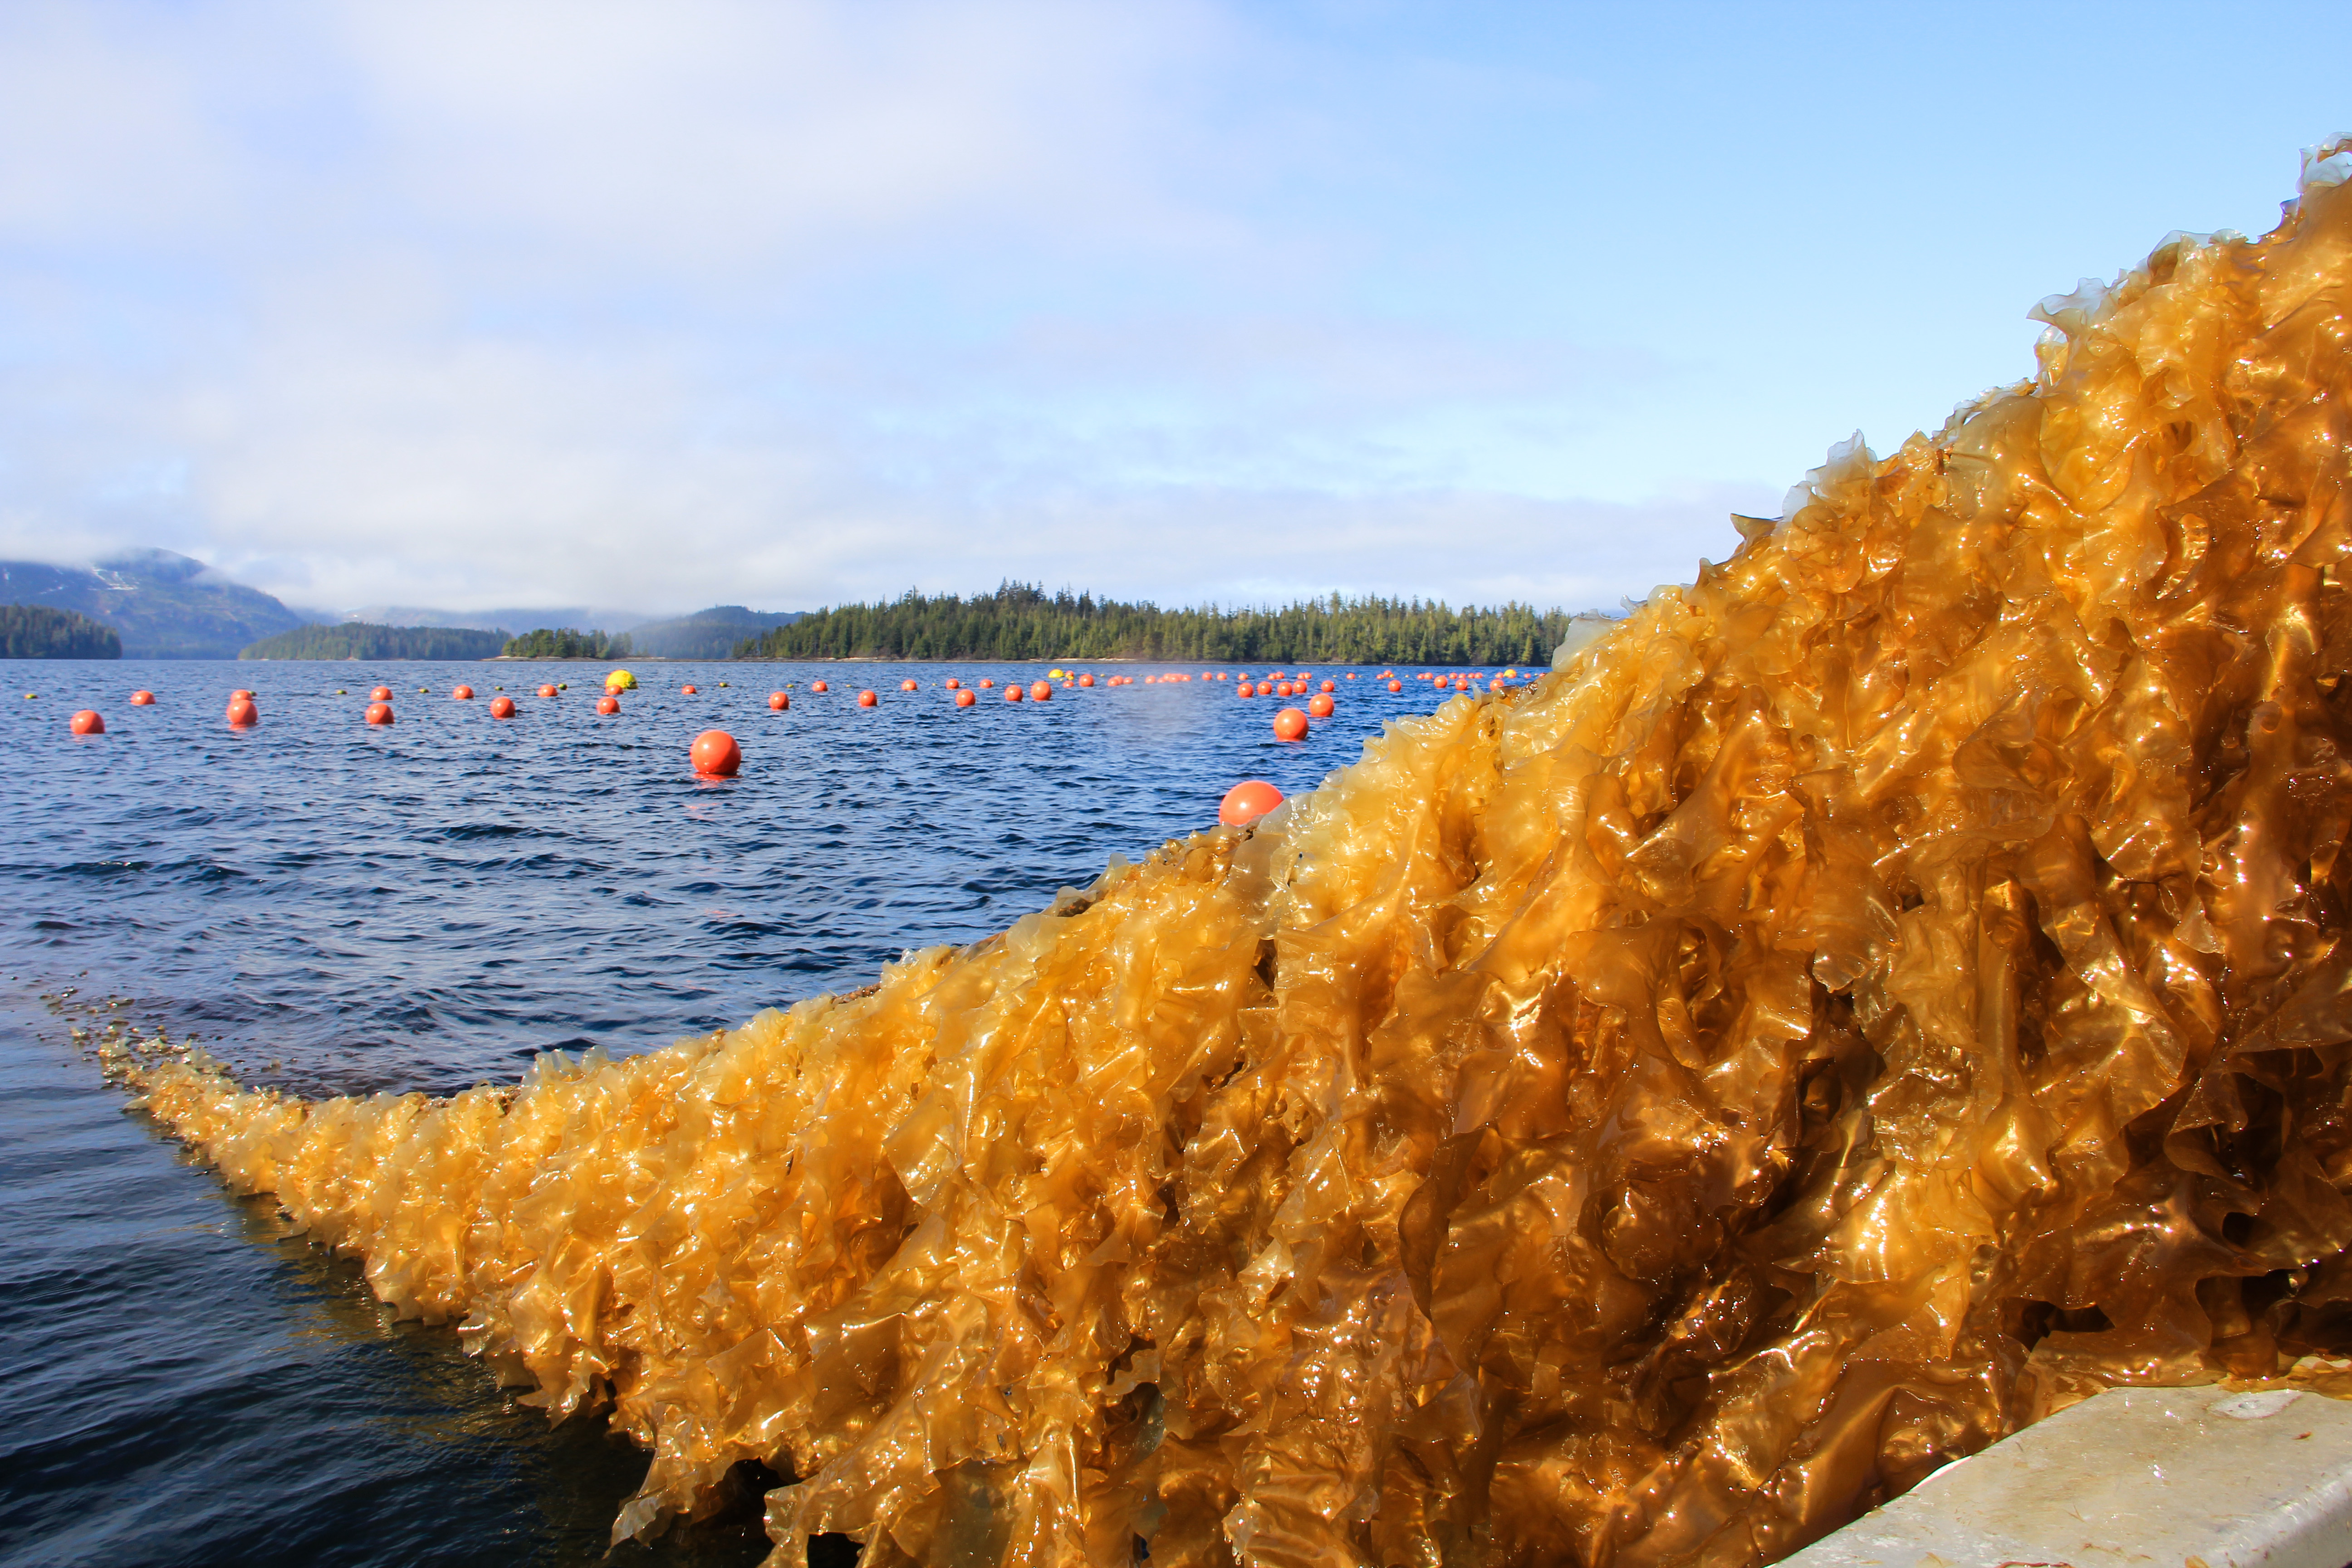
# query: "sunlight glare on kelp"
1878 994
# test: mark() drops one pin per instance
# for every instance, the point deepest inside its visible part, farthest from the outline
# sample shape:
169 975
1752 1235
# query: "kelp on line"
1884 991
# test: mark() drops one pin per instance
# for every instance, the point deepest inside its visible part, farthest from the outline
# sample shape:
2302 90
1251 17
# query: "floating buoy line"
716 754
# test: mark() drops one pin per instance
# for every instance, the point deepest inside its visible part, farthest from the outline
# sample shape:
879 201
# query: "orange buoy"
242 714
985 685
143 698
547 692
461 694
608 704
910 686
380 694
819 686
1289 724
1041 692
779 701
965 699
953 684
1283 689
377 714
240 695
1331 685
501 707
1246 802
1351 675
1085 680
1244 690
867 699
1013 693
1396 686
86 723
687 690
1321 705
715 754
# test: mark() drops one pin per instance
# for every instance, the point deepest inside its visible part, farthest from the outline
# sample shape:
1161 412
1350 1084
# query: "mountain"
707 633
357 639
508 621
163 605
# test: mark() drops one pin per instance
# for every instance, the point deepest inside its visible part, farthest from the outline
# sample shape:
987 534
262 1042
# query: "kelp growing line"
1880 993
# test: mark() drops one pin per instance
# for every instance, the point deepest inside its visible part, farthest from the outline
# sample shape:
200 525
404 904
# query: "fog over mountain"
168 606
165 605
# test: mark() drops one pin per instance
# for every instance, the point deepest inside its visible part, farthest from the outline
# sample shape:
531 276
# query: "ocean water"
335 908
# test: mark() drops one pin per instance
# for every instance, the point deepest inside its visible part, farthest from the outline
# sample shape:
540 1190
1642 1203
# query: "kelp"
1883 991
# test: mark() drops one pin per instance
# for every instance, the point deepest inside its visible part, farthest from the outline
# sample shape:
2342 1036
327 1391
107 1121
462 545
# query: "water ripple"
339 910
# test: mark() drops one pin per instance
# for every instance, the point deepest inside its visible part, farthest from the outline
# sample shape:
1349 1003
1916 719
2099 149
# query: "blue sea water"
336 909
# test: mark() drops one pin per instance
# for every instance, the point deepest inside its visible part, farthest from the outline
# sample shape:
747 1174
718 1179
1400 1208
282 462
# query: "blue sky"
664 305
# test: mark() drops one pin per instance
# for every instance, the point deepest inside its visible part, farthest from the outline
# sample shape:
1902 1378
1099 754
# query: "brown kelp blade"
1876 996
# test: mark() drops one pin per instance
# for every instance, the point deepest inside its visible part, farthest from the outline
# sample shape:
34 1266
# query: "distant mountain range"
508 621
705 634
166 605
163 605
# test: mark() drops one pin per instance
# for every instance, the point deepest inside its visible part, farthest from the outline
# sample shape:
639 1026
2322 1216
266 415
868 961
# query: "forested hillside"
37 631
162 606
564 643
1020 621
357 639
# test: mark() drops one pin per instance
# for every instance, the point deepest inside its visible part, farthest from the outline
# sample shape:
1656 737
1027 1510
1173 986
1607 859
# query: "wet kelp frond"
1881 993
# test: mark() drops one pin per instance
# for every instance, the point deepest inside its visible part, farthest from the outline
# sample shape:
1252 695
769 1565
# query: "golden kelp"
1881 993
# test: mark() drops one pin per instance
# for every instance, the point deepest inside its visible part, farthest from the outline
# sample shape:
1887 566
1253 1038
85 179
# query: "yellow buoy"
620 680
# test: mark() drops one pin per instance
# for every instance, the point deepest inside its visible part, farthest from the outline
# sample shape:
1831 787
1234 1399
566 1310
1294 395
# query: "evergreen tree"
565 643
360 639
40 631
1020 621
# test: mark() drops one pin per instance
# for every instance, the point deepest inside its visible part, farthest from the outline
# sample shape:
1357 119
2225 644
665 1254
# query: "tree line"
1022 621
360 639
42 631
564 643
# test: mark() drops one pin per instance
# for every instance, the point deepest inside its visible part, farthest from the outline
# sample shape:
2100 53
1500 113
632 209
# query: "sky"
795 302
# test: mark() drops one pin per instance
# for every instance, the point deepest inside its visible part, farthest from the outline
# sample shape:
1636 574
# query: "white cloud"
784 302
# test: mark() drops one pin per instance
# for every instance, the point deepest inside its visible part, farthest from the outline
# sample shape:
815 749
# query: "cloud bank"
792 302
